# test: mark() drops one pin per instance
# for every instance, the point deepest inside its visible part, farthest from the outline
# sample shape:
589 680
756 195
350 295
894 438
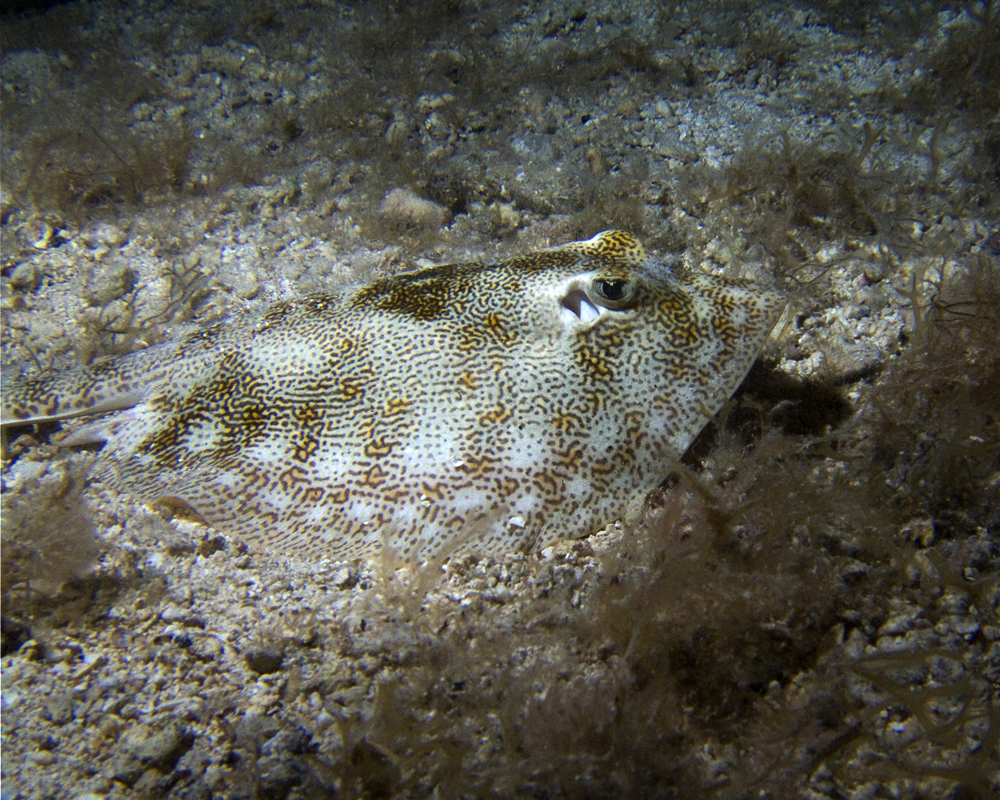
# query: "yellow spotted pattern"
483 408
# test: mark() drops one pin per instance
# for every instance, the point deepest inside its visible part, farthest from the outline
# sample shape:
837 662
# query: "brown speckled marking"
464 407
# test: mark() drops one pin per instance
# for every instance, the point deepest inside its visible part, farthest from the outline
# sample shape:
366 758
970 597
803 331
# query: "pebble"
25 278
405 207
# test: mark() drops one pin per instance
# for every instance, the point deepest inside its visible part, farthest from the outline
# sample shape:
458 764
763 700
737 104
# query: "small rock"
247 287
110 285
25 278
343 578
900 622
172 613
33 650
59 709
265 661
398 131
27 470
157 749
503 216
920 531
211 544
405 207
431 102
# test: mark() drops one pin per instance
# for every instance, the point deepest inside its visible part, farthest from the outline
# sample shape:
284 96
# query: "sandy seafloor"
809 608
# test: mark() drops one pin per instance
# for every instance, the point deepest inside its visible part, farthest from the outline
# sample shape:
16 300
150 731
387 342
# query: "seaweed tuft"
49 538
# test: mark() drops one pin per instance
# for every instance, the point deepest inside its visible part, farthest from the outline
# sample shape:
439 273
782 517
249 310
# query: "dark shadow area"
771 398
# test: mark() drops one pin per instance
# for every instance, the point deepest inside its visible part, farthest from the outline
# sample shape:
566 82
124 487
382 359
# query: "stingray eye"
614 292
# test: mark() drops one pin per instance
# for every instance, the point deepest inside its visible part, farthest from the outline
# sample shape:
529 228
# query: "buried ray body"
458 408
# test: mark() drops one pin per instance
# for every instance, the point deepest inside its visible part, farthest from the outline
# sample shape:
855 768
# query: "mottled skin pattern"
459 408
